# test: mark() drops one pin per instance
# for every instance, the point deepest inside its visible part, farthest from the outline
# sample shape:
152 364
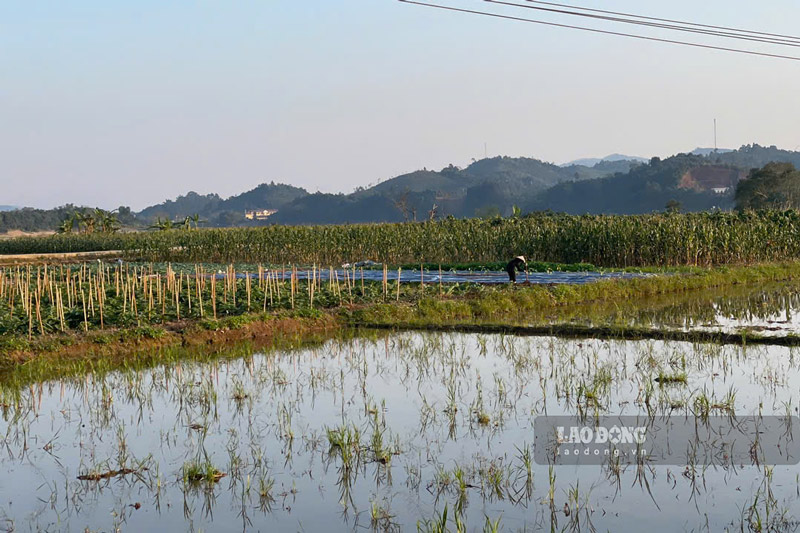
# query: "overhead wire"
644 17
599 31
675 27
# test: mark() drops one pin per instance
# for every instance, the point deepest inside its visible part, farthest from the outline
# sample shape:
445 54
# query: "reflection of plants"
345 443
481 416
494 477
265 498
577 509
238 392
764 514
704 405
438 524
523 482
381 517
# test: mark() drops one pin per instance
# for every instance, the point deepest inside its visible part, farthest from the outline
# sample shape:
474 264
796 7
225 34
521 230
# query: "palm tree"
162 225
67 225
107 220
197 221
86 221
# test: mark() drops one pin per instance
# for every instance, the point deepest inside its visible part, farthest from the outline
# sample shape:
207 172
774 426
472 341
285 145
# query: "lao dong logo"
667 440
601 435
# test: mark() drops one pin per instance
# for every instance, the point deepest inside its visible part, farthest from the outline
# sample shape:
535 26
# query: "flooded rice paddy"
408 431
769 310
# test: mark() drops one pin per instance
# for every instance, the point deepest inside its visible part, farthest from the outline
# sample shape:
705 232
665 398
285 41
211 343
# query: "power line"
604 32
727 28
688 29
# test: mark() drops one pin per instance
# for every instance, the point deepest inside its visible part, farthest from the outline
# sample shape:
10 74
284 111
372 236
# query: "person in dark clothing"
514 265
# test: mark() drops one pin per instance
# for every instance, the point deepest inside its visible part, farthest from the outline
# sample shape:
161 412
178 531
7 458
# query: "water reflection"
764 309
406 431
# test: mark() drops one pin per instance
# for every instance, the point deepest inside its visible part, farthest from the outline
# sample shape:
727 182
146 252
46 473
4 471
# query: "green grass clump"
666 378
196 472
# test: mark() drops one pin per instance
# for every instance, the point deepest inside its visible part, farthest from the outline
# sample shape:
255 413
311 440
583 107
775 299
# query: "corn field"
606 240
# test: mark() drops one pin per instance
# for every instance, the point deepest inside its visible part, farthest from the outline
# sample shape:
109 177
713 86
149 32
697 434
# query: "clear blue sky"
130 103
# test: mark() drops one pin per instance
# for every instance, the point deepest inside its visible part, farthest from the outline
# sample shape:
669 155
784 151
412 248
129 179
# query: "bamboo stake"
85 318
177 297
214 294
293 276
60 308
30 321
38 306
349 290
398 283
247 283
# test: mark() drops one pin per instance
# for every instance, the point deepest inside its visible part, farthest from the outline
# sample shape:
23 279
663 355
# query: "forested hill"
755 156
486 187
219 212
644 189
493 186
689 182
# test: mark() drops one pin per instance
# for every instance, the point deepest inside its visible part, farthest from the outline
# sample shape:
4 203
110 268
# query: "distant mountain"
322 208
592 161
752 156
265 196
450 181
621 166
182 206
489 185
8 207
646 188
615 184
699 181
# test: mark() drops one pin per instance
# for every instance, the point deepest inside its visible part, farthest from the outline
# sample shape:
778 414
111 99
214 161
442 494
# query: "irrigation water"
769 309
396 432
456 276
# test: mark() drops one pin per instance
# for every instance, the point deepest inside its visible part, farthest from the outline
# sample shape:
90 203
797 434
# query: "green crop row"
606 241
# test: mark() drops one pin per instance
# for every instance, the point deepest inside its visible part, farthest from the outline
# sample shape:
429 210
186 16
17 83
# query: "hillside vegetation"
219 212
645 189
776 186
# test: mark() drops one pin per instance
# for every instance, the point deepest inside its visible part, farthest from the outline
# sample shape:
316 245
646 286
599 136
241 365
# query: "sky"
130 103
